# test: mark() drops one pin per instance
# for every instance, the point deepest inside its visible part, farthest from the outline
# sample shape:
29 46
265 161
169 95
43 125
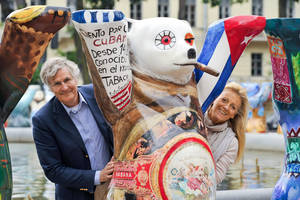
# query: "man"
74 143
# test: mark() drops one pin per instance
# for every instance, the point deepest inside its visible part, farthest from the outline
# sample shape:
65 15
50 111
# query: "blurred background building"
254 65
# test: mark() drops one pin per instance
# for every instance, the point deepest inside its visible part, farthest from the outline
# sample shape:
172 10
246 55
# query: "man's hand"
107 171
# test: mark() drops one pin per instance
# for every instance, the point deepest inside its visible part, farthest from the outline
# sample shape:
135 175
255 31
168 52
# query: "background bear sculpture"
26 35
284 44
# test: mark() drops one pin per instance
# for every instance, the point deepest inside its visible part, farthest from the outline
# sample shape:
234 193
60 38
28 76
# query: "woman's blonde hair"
239 122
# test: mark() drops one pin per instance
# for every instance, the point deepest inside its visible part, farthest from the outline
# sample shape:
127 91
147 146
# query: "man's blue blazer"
61 150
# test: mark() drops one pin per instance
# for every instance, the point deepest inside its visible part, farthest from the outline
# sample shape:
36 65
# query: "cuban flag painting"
224 43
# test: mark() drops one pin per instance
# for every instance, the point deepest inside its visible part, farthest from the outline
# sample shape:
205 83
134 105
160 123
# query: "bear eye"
189 38
165 40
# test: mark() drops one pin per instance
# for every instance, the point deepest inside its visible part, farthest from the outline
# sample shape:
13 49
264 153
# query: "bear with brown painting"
145 87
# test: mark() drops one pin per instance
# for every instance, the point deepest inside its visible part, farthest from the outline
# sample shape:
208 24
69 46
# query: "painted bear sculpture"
144 85
26 35
283 36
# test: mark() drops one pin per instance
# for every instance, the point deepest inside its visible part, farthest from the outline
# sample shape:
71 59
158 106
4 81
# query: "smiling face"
64 87
225 107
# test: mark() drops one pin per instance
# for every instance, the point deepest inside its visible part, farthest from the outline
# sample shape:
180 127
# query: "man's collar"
76 108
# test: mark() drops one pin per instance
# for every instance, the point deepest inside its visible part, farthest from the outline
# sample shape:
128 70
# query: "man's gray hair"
52 65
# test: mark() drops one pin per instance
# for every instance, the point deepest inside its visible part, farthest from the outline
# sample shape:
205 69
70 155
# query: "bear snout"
191 53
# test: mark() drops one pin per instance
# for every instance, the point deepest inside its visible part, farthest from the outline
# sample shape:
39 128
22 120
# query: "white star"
247 38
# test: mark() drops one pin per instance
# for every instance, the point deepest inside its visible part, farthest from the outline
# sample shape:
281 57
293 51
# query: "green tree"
217 2
103 4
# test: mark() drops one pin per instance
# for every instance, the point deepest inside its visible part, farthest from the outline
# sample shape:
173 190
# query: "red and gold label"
182 168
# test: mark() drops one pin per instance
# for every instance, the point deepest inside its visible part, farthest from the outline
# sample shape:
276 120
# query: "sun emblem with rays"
165 40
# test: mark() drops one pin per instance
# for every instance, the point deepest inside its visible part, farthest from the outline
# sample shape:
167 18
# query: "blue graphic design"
96 16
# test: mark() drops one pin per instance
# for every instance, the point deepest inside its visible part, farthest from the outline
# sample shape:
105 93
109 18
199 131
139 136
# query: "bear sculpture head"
161 48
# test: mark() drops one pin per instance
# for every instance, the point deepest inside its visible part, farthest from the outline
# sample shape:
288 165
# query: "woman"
226 124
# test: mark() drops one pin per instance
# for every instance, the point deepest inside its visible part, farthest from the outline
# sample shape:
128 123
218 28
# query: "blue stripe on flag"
78 16
94 17
105 17
198 74
219 85
118 16
212 39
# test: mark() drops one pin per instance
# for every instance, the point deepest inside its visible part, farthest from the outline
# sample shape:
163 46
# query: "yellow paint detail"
60 13
51 12
26 14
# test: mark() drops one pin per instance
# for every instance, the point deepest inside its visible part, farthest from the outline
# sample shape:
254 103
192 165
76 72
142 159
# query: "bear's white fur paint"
154 61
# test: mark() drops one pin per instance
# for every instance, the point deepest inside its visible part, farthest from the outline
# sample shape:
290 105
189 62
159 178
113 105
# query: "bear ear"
130 23
185 21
